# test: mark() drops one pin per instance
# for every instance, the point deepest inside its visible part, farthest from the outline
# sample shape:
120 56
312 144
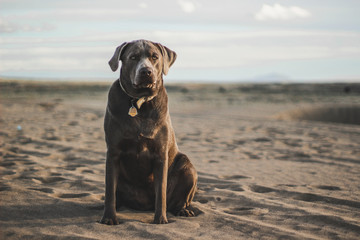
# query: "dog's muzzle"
144 78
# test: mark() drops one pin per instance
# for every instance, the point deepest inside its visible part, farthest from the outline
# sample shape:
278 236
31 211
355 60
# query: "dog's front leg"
160 180
112 175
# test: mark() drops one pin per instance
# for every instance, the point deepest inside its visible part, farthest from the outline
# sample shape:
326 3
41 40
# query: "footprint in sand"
233 187
34 153
72 195
8 172
213 161
48 180
82 185
262 139
45 190
65 149
73 123
246 211
4 187
49 134
95 207
61 148
251 155
7 164
73 167
201 200
261 189
330 188
235 177
11 160
48 106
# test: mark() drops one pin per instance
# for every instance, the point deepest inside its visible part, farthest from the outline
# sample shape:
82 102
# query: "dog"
144 168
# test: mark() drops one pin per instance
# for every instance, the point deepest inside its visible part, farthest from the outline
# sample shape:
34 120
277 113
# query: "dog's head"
143 64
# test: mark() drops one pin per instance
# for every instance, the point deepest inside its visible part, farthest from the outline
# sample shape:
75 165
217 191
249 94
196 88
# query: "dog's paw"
109 220
160 220
186 213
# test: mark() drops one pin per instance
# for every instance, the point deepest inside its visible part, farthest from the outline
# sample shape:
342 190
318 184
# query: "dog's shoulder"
114 91
117 101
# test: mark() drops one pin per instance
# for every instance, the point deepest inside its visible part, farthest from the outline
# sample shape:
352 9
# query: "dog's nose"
146 72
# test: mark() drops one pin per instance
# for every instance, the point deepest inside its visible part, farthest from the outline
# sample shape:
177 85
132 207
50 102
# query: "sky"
215 41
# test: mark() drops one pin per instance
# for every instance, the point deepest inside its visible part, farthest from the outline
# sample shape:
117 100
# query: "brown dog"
144 168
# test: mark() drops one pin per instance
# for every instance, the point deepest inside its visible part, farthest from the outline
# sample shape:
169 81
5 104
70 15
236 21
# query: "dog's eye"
155 57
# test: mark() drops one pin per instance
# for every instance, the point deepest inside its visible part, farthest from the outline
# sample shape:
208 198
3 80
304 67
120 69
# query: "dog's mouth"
145 86
144 83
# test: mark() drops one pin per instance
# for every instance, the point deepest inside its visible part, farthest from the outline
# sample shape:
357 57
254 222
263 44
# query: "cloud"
196 49
187 6
53 58
143 5
279 12
7 27
10 27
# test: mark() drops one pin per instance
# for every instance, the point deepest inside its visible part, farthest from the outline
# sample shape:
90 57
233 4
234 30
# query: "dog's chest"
137 157
145 129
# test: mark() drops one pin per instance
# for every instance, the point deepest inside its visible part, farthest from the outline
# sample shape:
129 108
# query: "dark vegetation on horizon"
7 86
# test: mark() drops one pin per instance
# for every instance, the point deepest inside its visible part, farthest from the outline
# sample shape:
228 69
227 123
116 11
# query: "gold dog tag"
133 112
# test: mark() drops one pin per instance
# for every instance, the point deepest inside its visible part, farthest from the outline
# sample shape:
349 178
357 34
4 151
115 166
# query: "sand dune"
261 176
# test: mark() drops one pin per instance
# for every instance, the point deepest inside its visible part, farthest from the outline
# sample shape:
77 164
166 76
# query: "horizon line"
179 81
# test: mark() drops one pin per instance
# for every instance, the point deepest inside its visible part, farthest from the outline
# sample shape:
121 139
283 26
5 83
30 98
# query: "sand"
272 162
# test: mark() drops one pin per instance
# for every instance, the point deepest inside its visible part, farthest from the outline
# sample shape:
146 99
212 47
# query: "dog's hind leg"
181 188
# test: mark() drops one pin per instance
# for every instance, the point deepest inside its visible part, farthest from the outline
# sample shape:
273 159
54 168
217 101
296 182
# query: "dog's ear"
114 61
169 57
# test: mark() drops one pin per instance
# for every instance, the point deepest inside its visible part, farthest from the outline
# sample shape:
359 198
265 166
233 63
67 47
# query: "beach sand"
276 161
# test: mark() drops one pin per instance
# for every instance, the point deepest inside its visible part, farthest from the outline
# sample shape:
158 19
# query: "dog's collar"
138 102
